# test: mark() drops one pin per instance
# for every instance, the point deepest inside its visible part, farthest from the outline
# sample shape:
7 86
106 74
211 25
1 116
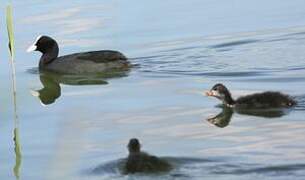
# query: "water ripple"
216 57
273 170
234 43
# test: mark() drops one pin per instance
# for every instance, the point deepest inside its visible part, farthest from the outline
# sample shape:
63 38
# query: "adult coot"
78 63
262 100
139 161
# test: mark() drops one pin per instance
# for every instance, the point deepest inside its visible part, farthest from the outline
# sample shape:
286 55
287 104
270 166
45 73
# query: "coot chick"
269 99
141 162
78 63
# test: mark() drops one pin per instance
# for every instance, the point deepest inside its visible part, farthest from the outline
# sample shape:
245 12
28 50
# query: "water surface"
183 48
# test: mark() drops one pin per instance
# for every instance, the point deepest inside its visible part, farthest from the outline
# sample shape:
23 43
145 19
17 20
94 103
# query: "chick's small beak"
209 93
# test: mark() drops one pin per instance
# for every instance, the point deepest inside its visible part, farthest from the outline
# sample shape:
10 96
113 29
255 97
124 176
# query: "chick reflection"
51 83
223 119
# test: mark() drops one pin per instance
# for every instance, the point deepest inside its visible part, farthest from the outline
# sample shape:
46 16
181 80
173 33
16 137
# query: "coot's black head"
134 145
48 47
43 44
221 92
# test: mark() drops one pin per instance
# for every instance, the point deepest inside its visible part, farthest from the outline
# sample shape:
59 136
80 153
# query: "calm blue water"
183 48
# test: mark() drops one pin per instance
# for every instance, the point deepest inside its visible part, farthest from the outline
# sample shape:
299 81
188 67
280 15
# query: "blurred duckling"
268 99
141 162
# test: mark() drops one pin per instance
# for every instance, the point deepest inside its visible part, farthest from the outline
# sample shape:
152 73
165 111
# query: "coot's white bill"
31 48
34 93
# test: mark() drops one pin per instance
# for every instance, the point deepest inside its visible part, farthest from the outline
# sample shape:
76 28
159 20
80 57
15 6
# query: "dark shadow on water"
224 117
233 43
51 83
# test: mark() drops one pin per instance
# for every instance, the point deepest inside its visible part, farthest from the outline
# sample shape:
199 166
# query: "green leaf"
9 25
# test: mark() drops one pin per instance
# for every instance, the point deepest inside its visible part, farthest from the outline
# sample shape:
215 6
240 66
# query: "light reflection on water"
182 51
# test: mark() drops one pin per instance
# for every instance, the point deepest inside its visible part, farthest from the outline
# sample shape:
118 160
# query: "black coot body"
141 162
262 100
78 63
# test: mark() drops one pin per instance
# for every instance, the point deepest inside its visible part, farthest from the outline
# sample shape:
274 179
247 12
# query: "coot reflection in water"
51 83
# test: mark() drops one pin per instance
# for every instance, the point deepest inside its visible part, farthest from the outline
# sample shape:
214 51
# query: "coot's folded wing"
103 56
